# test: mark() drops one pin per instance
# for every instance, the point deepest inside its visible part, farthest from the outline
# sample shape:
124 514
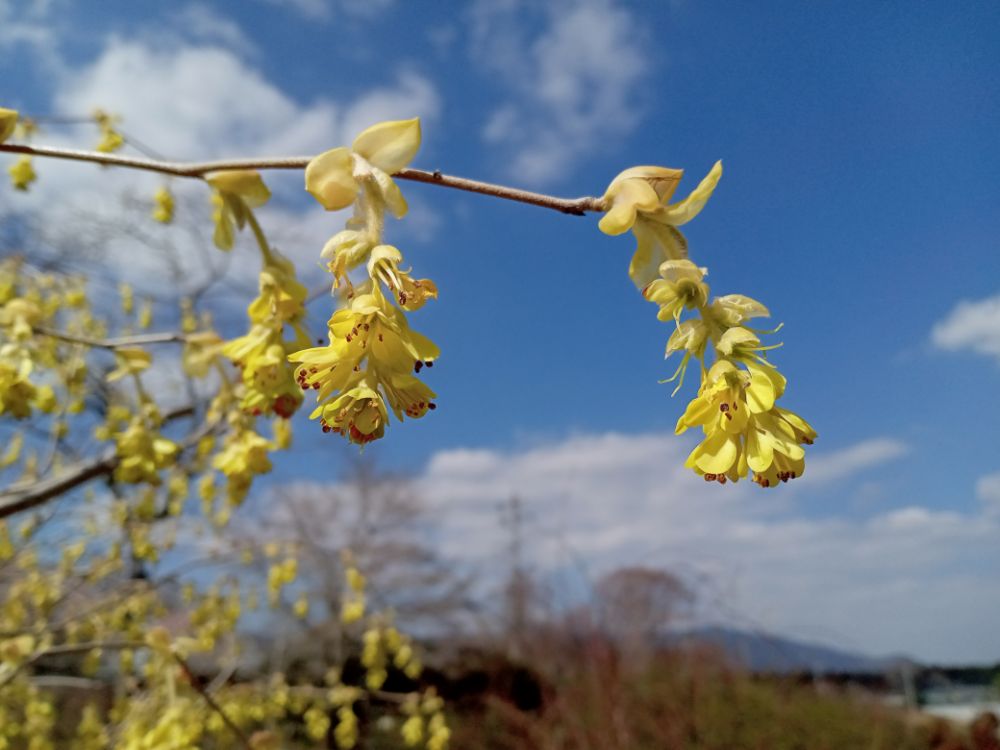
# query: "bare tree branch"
116 343
198 170
19 497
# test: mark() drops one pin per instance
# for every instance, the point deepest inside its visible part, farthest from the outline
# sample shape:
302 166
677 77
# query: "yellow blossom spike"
8 121
391 145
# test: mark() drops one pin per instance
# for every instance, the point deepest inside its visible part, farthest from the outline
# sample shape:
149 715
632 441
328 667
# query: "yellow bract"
637 200
334 177
8 121
236 192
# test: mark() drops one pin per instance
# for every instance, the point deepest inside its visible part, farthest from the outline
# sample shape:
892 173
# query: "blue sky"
858 202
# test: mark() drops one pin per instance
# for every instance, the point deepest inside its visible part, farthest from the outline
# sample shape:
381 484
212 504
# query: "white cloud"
971 325
988 492
845 464
193 102
324 10
31 24
202 24
613 500
572 78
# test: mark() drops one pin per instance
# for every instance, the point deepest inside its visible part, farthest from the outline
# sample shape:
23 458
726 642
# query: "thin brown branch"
195 683
115 343
69 648
198 170
24 496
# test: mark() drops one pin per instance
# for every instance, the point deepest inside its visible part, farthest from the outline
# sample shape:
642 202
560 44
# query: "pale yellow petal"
330 179
391 145
760 451
716 454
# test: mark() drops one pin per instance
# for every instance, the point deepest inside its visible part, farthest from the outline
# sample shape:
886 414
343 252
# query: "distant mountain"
763 652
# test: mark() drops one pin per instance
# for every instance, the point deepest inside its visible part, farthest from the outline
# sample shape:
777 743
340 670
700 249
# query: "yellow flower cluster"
262 353
29 301
735 407
371 364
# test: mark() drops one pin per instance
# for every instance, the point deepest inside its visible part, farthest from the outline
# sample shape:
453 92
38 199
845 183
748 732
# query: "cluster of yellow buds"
352 607
22 171
111 138
371 363
735 407
425 724
142 451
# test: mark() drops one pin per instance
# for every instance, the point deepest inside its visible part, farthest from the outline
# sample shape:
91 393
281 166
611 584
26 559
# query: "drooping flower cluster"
735 407
371 364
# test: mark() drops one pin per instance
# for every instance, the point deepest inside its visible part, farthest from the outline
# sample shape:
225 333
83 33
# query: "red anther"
420 405
429 363
792 475
348 338
367 327
765 482
710 477
432 406
418 366
723 407
256 412
380 337
284 406
729 416
326 428
312 370
315 386
721 479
